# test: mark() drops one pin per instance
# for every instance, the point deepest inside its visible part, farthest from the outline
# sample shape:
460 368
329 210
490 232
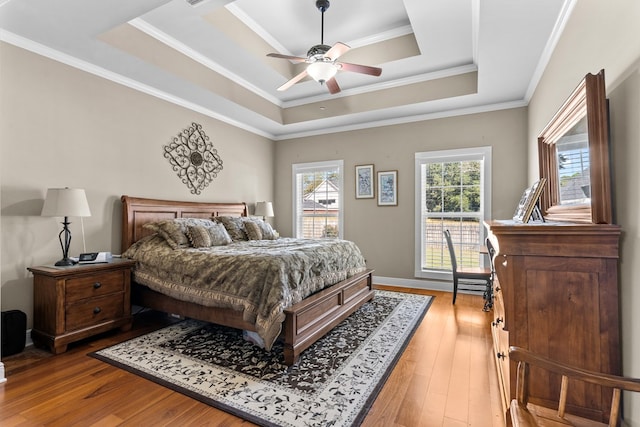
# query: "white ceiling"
439 57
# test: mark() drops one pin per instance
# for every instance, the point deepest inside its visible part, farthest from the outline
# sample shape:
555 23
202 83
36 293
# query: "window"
453 191
317 197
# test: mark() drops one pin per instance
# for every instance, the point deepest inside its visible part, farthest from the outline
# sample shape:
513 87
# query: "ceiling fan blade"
363 69
289 57
332 85
293 81
337 50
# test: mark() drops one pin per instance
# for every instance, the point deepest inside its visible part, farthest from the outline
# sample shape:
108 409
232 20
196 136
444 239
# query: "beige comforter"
260 277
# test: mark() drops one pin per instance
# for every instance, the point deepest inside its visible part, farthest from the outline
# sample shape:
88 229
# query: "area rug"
334 382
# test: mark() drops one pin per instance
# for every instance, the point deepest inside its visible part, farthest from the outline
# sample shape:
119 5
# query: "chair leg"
455 290
488 296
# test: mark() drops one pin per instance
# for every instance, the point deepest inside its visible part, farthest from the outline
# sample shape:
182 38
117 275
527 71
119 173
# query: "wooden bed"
305 322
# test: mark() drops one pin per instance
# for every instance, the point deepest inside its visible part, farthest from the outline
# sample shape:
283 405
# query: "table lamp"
264 209
65 202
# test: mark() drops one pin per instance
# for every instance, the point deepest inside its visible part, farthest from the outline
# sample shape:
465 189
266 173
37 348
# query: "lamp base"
65 262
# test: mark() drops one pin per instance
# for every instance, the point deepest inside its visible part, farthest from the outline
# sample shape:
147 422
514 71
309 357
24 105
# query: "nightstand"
73 303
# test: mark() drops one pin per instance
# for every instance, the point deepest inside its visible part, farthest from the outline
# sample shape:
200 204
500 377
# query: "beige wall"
606 35
64 127
386 234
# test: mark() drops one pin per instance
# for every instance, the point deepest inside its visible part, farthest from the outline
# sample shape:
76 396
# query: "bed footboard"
304 323
312 318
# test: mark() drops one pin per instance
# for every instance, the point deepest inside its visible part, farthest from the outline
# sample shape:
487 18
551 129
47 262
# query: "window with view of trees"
317 199
452 192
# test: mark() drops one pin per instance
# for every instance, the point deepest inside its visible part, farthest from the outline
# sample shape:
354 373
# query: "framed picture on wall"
388 188
364 182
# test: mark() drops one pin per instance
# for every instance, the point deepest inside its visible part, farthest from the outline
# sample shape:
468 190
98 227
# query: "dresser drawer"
500 346
93 285
498 308
502 366
497 325
94 311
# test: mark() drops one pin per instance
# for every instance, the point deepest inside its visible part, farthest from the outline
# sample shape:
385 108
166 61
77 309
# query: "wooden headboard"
136 212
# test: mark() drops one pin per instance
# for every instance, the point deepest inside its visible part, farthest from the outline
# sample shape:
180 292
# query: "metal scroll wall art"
193 158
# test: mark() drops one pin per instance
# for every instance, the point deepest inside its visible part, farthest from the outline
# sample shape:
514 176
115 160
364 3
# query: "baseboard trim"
413 283
3 379
429 285
28 341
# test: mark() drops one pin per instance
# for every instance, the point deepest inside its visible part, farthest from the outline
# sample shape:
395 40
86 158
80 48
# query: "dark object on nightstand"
77 302
13 332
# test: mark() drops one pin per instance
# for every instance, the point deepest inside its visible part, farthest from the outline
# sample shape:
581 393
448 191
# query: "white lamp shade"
264 209
321 71
65 202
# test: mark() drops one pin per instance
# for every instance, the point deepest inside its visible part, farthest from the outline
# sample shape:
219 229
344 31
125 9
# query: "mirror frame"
589 99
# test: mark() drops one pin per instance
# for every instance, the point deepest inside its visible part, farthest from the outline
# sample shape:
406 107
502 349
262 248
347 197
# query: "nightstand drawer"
94 311
93 285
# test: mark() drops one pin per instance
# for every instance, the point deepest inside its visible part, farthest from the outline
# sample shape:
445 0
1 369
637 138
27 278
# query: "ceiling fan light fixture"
322 71
322 60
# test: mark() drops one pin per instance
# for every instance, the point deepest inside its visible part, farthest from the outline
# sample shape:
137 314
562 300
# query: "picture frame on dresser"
527 209
518 215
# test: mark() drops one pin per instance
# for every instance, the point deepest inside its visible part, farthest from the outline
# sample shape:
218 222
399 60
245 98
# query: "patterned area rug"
333 384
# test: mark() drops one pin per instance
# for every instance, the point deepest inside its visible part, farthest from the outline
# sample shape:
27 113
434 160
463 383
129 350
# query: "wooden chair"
470 274
491 251
525 414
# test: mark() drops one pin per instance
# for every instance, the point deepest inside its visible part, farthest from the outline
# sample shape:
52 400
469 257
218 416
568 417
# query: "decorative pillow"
268 233
218 235
253 230
174 231
206 236
199 236
234 226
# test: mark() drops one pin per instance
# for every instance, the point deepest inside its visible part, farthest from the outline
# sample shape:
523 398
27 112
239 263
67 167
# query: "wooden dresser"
556 294
73 303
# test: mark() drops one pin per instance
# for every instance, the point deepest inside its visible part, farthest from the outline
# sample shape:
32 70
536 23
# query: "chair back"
492 254
452 252
519 410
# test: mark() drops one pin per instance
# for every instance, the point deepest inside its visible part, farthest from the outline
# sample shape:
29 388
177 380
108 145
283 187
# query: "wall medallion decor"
193 158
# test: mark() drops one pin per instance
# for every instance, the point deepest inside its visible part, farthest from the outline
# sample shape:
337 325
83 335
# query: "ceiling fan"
322 60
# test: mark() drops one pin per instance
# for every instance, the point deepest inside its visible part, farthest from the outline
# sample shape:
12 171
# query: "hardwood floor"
446 377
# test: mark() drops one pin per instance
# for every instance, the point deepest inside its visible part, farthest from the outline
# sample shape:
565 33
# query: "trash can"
13 333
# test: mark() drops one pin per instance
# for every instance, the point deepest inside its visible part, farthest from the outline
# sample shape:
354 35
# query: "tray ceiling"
439 57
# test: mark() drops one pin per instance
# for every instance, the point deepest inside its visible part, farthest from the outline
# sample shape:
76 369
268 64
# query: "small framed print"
518 215
527 207
364 182
388 188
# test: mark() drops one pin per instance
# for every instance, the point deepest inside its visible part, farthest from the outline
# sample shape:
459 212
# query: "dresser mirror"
573 152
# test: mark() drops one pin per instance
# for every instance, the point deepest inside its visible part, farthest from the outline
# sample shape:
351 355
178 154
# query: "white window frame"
298 168
455 155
